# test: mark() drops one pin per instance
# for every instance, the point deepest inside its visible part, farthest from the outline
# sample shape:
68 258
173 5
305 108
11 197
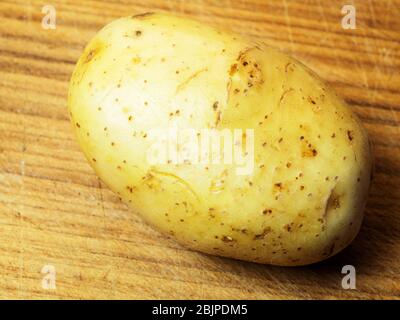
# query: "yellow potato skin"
304 201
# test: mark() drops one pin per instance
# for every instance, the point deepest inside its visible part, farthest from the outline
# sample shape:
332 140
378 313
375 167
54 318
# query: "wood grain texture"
55 211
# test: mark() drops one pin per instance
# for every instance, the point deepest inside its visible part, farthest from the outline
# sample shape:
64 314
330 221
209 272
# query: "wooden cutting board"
59 222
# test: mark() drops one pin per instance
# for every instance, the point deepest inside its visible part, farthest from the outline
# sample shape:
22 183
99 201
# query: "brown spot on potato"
250 73
333 201
311 100
267 211
233 69
263 234
332 204
278 186
227 239
90 55
288 227
142 15
309 152
350 135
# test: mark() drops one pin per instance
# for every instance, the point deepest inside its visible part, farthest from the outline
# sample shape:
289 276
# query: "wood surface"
55 211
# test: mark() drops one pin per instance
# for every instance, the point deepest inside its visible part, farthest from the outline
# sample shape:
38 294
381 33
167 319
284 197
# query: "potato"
285 185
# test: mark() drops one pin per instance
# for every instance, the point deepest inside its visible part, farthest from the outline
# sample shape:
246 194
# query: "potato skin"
304 201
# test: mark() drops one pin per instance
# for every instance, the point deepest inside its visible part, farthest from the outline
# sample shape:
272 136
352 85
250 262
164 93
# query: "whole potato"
297 194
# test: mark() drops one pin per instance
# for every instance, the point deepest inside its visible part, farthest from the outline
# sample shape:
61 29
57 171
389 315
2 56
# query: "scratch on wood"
22 167
20 220
102 202
288 23
326 34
